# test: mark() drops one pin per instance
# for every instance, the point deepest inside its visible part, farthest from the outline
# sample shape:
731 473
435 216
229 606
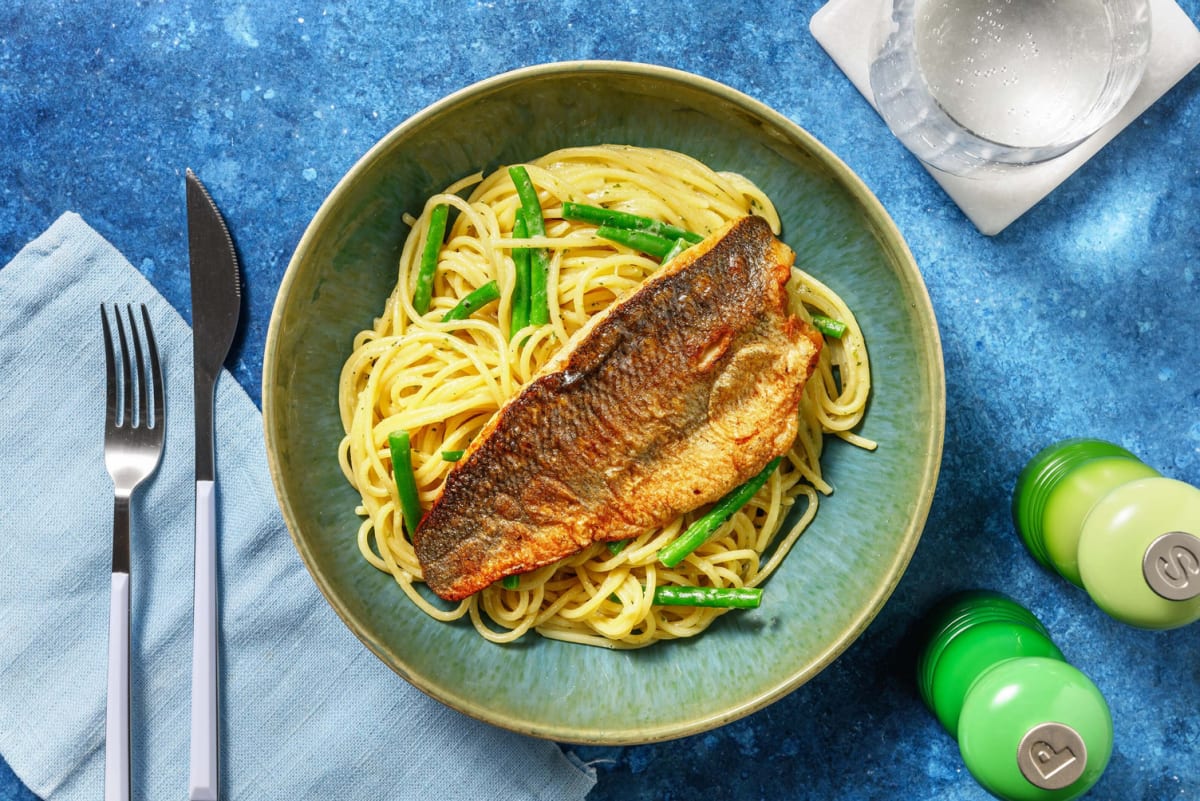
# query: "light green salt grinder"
1130 537
1030 727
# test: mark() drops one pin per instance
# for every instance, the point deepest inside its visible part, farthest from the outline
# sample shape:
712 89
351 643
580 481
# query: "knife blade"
216 304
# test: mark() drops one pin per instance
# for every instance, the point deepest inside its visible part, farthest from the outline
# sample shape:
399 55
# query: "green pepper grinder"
1030 727
1096 514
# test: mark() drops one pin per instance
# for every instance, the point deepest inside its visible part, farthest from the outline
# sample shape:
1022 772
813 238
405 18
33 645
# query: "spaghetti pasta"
441 381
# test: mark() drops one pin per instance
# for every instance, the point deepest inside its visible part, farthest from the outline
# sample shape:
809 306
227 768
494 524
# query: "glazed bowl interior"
842 569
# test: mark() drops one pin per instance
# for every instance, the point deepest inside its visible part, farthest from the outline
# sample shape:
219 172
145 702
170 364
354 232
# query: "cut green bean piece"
539 287
598 215
510 582
406 482
452 456
616 546
723 597
423 290
539 259
531 207
519 315
477 299
651 244
698 532
829 326
679 246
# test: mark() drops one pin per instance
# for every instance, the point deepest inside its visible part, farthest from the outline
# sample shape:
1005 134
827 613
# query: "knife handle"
202 782
116 724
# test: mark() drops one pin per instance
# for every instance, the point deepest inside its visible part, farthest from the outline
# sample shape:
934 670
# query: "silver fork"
134 422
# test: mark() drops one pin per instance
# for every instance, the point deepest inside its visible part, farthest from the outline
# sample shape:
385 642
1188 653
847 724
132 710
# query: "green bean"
519 313
423 291
723 597
829 326
652 244
680 245
406 482
698 532
510 582
539 259
452 456
476 299
600 216
539 287
616 546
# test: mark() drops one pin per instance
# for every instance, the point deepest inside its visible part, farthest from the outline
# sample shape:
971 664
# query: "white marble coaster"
992 202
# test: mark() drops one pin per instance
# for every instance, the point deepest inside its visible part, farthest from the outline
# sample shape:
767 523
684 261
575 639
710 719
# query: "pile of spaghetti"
439 367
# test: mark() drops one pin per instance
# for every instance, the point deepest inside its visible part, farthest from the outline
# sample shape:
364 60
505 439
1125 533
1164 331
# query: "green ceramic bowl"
844 567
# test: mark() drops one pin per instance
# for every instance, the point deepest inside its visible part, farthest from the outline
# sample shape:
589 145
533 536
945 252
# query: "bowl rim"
891 241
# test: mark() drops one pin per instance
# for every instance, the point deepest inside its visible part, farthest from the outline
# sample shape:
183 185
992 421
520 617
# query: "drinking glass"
975 86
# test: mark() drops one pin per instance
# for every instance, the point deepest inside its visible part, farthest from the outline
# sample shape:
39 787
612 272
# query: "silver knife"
216 302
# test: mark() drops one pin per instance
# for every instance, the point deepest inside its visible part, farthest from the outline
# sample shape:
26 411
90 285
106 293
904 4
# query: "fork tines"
132 377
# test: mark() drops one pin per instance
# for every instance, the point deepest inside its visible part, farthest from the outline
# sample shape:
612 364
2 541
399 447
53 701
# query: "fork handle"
202 784
116 724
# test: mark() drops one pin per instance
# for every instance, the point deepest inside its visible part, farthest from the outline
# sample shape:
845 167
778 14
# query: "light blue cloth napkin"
307 711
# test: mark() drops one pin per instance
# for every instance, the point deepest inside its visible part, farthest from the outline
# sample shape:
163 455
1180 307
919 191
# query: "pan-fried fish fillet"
678 393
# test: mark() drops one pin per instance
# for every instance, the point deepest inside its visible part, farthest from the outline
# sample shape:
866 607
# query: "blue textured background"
1080 319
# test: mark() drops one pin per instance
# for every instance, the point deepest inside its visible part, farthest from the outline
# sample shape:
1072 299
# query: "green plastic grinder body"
1130 537
1029 726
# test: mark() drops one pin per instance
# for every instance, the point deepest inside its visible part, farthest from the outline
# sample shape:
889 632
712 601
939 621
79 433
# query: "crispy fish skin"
681 391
